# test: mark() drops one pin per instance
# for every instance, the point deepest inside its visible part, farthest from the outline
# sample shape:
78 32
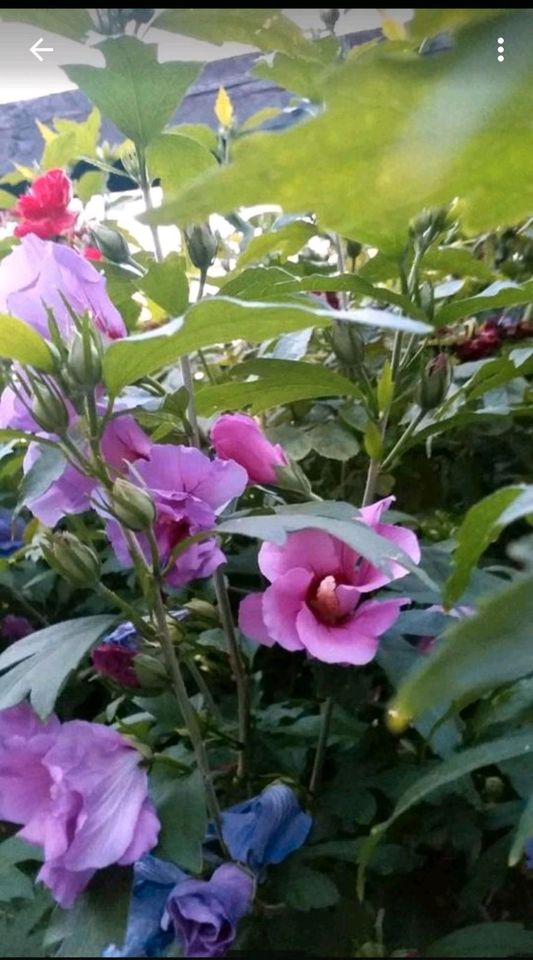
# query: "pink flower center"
324 600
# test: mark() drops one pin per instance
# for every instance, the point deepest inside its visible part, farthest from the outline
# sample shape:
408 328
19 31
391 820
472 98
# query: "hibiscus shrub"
266 583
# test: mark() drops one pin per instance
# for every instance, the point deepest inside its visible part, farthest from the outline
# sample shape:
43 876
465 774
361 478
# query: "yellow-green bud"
132 505
48 408
433 383
72 559
84 360
201 244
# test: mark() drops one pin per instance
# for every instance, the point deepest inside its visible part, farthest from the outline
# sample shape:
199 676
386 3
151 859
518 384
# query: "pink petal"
343 643
311 550
251 622
282 603
372 514
370 577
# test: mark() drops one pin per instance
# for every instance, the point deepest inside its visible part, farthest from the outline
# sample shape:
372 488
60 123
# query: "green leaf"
481 526
332 440
180 804
307 889
97 919
134 90
350 283
177 160
21 932
90 183
524 832
501 939
277 382
502 293
427 144
74 24
7 200
70 141
456 260
48 467
19 341
428 23
265 29
14 884
283 242
473 656
40 664
166 284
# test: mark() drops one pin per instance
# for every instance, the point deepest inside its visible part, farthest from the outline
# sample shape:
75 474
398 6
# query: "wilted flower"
114 656
316 598
79 793
43 210
187 489
238 437
204 913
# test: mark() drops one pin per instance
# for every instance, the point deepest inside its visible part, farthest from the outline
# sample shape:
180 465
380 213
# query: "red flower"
483 344
92 253
44 209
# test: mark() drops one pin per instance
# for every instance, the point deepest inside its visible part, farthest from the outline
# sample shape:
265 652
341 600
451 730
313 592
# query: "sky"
23 77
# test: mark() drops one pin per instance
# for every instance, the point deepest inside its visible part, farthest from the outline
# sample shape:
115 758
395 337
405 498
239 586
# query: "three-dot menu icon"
501 49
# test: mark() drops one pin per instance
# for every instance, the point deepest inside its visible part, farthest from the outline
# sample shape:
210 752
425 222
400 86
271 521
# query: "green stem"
239 672
327 714
398 447
375 466
141 625
198 678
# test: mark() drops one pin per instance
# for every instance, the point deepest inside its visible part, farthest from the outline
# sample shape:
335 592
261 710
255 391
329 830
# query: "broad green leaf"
176 160
21 932
428 23
216 320
322 516
48 467
298 74
277 382
74 24
7 200
134 90
502 293
456 260
255 283
97 919
481 526
334 441
351 283
19 341
307 889
180 804
498 939
166 284
90 183
266 29
70 140
473 656
426 145
282 243
524 832
40 664
14 884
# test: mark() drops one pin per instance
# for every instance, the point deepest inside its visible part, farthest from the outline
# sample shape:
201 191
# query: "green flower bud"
132 505
84 360
150 672
353 249
201 244
48 407
291 477
111 244
72 559
434 382
347 342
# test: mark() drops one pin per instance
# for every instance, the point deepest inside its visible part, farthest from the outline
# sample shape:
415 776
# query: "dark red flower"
115 661
483 344
43 210
330 296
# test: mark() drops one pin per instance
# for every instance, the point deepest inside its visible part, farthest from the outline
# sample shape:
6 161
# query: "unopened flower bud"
291 477
48 408
149 672
434 382
84 360
72 559
111 244
347 343
353 249
132 505
201 244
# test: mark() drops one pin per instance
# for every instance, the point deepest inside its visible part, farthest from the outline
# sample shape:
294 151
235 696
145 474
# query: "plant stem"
390 458
238 669
141 625
375 465
327 713
197 676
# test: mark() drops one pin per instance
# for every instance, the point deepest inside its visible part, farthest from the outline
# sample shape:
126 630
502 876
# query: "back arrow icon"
36 49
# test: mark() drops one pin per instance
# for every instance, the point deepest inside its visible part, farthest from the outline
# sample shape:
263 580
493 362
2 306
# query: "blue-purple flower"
11 535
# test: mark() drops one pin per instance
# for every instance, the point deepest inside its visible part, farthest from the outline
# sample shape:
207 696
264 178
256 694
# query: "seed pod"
201 244
72 559
132 506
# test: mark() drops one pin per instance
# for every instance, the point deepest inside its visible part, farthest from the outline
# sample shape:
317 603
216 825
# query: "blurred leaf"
308 889
428 23
67 23
332 440
502 293
90 184
426 145
97 919
456 260
180 805
177 159
40 664
70 140
48 467
277 382
265 29
19 341
524 832
7 200
134 90
473 656
481 526
282 243
166 284
501 939
21 931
